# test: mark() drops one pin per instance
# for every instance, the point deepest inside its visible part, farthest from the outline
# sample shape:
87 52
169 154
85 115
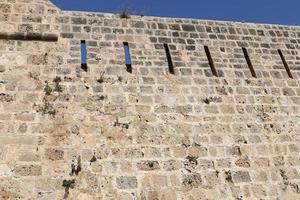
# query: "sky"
258 11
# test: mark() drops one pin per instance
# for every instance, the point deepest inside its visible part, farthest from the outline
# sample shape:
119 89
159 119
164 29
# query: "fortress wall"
100 132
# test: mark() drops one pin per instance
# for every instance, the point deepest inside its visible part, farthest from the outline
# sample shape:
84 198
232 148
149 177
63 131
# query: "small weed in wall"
67 184
47 109
76 169
94 158
47 89
57 87
125 14
122 125
101 78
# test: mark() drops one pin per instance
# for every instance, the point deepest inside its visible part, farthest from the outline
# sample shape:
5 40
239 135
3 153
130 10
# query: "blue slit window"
127 57
83 55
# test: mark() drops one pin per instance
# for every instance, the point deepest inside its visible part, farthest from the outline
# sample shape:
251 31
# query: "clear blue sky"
261 11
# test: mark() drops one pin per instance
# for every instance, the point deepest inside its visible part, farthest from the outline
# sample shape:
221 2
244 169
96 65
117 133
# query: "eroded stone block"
126 182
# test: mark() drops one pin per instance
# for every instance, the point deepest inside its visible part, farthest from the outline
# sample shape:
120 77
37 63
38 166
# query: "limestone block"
28 170
5 171
241 176
12 59
126 182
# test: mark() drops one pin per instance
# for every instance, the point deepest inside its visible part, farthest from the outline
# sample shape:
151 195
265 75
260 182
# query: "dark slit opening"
210 61
249 62
169 58
286 66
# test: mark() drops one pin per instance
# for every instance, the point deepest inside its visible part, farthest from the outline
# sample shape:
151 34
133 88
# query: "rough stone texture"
105 133
126 182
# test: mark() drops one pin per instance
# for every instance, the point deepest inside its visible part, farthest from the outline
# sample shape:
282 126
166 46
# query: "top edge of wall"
166 19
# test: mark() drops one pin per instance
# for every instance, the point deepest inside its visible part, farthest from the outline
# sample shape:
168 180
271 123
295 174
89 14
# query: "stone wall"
103 133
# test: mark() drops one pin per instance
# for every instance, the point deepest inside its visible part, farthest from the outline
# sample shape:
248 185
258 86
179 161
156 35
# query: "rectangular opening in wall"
83 55
286 66
127 57
210 61
249 62
169 58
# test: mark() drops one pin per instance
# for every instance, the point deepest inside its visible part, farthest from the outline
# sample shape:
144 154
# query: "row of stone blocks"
54 38
209 58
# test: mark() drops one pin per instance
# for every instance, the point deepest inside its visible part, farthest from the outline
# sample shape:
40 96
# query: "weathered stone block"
78 20
241 176
192 180
5 171
148 165
24 117
2 68
243 162
186 27
67 35
29 156
28 170
5 8
54 154
126 182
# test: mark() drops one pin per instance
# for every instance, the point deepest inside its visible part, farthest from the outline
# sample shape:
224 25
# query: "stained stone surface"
105 133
